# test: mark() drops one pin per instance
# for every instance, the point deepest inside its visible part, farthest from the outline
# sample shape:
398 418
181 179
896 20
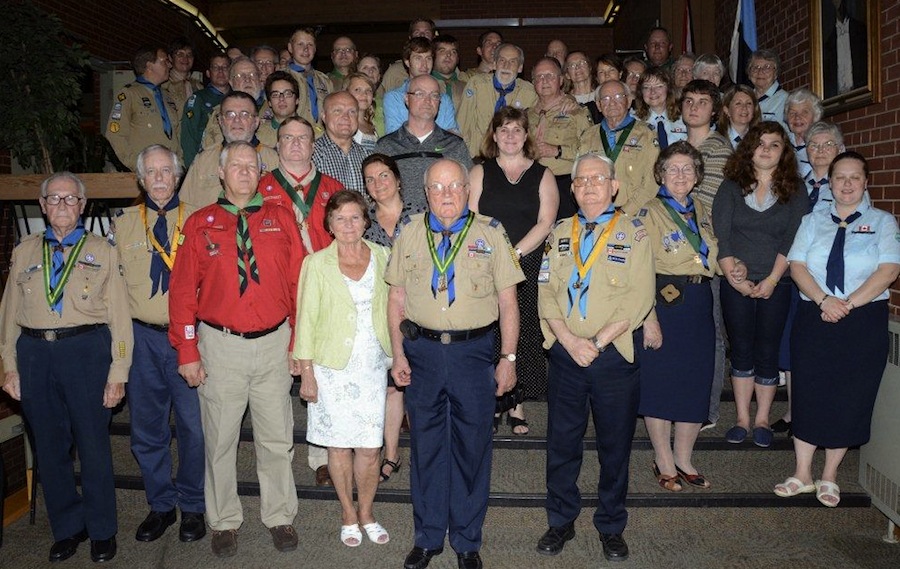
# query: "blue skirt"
676 379
836 371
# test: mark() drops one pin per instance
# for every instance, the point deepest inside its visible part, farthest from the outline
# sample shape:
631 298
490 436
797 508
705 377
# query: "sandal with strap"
792 487
376 533
516 423
351 536
828 493
395 467
670 483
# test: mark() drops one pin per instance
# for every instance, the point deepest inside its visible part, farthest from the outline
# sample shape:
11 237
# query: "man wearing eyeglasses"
265 57
281 93
486 93
343 57
66 343
238 120
418 56
453 274
420 141
596 287
631 144
201 105
336 153
142 114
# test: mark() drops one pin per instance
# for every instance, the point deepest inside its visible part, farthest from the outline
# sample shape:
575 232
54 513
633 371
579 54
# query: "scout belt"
157 327
412 331
54 334
245 335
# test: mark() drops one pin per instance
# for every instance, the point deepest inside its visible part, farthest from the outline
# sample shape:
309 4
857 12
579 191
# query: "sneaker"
707 425
224 543
284 537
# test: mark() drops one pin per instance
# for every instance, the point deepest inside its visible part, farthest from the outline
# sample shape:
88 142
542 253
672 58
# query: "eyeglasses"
218 68
618 98
422 95
290 138
634 76
655 87
762 68
585 181
686 170
545 77
452 187
825 146
70 200
343 50
286 94
264 63
577 64
241 76
243 115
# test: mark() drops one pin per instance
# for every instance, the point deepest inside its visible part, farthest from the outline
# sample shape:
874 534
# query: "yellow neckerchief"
168 258
585 266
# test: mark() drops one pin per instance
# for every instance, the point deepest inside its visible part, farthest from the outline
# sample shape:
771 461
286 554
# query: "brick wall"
783 25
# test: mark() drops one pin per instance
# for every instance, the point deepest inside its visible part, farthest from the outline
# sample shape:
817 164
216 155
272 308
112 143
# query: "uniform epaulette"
494 222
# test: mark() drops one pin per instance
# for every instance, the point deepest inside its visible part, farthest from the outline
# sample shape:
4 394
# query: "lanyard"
168 258
443 265
53 295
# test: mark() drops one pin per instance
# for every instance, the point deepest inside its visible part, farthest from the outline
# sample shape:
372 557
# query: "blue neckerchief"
503 92
834 269
611 133
159 272
588 240
816 186
689 212
58 260
163 111
311 87
443 249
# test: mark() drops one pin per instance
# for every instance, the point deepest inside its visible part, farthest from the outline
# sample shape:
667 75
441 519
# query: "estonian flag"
743 40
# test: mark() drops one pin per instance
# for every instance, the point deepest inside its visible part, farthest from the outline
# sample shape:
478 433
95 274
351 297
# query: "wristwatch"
508 357
601 348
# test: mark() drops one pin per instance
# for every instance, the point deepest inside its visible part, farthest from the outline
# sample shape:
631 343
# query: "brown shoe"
224 543
284 537
322 476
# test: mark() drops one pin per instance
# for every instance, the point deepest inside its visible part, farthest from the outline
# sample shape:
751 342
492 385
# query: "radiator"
879 459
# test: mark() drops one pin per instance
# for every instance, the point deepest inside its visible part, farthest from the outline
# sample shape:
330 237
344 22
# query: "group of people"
611 237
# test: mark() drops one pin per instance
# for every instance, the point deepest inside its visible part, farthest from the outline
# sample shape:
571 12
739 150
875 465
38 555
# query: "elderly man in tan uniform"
596 287
146 236
314 85
142 114
65 340
239 121
442 310
486 93
630 143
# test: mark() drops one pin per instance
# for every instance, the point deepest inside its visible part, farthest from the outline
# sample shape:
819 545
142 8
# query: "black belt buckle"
410 330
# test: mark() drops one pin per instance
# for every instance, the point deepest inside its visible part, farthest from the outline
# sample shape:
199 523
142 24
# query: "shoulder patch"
122 96
643 212
113 127
637 223
191 101
494 222
405 220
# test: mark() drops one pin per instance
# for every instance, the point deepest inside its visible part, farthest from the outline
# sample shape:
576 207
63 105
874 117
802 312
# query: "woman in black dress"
514 188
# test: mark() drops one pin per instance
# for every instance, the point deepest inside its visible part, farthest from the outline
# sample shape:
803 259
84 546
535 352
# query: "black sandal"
497 423
395 467
514 422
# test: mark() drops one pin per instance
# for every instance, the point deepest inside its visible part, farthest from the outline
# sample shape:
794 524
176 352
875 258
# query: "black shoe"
781 426
614 547
65 548
469 560
419 558
193 526
154 525
103 549
553 541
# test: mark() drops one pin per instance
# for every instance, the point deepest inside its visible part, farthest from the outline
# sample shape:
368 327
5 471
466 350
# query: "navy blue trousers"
451 404
610 388
155 388
62 397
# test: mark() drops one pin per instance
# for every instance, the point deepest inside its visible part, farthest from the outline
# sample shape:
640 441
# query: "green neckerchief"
53 295
303 205
247 266
613 153
693 238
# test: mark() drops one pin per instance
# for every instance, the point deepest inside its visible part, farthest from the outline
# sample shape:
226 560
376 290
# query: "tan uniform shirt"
135 252
672 252
622 283
634 165
457 87
94 294
477 108
267 133
393 77
180 90
201 186
486 264
135 123
323 85
560 129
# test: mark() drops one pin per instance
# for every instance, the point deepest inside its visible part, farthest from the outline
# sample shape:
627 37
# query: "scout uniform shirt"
485 264
560 129
323 86
94 294
634 162
135 123
202 186
622 283
131 233
477 108
673 253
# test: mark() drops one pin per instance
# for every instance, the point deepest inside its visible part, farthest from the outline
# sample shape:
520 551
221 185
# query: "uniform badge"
189 333
146 102
470 93
641 233
563 246
209 219
268 188
121 97
190 114
113 127
267 222
89 258
620 236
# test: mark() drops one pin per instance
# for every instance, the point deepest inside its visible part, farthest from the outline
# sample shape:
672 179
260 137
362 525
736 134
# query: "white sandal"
377 534
792 487
350 533
828 493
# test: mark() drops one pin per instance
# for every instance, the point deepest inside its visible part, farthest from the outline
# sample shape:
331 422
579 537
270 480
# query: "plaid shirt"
345 168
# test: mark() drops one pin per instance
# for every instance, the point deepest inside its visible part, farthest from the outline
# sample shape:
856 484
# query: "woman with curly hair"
655 104
756 213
